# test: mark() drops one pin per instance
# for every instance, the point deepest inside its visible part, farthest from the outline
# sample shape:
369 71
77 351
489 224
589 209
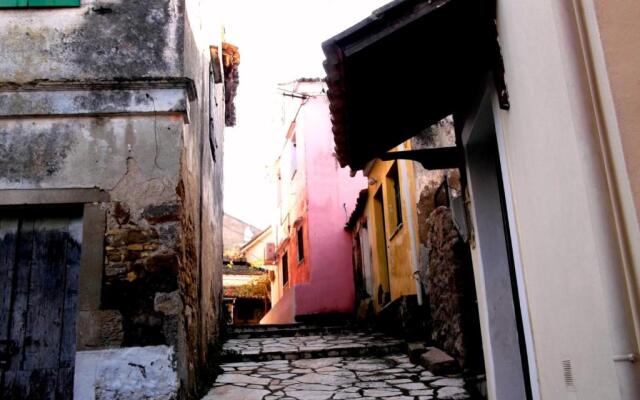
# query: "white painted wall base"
133 373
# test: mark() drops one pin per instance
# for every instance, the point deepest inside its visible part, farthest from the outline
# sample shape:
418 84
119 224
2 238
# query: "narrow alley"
281 362
399 200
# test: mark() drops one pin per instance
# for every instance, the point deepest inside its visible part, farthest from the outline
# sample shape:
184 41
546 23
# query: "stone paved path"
307 346
388 377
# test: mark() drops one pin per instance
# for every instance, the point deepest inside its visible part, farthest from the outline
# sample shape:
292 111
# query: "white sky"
279 41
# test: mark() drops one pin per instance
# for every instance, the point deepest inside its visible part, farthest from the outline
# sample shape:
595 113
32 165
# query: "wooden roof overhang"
403 69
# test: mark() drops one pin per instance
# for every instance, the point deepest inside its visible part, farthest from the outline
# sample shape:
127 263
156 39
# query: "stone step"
284 330
352 344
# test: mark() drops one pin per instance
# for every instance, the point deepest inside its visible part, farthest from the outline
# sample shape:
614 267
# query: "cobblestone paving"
391 377
295 344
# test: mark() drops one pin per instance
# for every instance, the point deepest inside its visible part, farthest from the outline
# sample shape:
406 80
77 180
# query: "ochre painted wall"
398 249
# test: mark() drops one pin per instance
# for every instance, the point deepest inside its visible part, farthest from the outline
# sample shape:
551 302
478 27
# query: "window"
393 196
300 244
285 270
39 3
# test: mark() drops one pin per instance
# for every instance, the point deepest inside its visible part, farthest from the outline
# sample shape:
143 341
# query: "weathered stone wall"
440 134
200 192
140 273
451 291
446 271
102 39
134 160
115 95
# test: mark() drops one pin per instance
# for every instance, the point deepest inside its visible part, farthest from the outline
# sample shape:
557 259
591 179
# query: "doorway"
39 273
499 304
383 291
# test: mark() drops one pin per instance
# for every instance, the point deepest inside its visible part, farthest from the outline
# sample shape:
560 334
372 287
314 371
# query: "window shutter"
38 3
12 3
53 3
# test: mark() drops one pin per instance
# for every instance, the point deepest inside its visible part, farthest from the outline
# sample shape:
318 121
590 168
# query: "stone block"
438 362
140 236
134 373
415 350
162 262
116 237
168 303
99 329
161 213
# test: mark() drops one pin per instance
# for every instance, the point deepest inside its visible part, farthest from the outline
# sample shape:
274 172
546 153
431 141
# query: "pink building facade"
314 277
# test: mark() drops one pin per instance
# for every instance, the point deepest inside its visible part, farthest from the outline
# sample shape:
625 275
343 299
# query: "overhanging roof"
401 70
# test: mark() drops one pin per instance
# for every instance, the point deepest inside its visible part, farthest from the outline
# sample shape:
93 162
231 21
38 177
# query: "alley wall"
118 97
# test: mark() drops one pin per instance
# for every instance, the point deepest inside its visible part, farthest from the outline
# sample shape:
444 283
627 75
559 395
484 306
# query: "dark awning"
402 69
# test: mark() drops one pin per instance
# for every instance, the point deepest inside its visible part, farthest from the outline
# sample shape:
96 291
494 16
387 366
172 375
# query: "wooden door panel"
20 297
41 300
72 282
46 295
8 240
39 384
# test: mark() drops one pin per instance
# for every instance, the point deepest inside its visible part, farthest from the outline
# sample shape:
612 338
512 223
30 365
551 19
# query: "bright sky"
279 41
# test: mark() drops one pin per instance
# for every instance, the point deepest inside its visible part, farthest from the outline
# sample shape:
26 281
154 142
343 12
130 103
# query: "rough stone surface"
81 110
99 329
437 361
415 350
452 393
307 346
451 291
135 373
338 378
235 393
168 303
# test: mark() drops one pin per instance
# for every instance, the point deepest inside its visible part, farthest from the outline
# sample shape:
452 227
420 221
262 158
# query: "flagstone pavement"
388 377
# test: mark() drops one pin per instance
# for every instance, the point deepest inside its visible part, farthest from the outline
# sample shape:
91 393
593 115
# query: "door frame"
92 247
478 129
381 246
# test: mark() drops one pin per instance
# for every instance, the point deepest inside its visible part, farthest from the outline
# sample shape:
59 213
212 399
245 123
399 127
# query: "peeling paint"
81 42
35 156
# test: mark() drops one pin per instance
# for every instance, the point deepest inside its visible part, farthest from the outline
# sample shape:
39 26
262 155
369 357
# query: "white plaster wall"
132 373
560 205
134 158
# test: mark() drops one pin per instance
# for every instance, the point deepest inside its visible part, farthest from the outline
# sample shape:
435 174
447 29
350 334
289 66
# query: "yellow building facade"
390 220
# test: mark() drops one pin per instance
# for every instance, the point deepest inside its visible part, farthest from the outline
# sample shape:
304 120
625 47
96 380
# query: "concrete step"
351 344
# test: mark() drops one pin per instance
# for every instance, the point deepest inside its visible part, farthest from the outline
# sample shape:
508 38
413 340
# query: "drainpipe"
411 224
621 284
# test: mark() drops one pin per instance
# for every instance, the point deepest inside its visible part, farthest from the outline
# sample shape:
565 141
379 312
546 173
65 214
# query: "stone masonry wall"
140 273
200 193
451 291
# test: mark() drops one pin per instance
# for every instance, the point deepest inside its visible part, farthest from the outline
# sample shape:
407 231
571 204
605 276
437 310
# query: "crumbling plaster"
115 95
116 374
116 154
99 40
